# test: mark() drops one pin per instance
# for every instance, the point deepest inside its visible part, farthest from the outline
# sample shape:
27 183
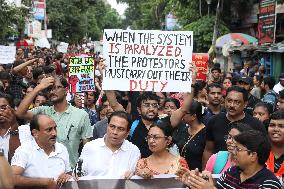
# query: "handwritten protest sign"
7 54
201 62
81 73
142 60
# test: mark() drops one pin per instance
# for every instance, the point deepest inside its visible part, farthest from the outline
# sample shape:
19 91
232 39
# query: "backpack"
221 161
133 127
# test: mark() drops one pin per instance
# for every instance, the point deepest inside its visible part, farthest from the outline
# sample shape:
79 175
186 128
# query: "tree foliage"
12 21
203 32
72 20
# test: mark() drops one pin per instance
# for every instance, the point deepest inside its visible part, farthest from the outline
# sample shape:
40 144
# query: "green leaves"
11 21
203 32
73 20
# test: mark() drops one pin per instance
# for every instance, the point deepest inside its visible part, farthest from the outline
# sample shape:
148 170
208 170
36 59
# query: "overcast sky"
119 7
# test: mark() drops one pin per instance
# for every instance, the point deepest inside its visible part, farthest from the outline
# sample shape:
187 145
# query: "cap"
246 79
281 76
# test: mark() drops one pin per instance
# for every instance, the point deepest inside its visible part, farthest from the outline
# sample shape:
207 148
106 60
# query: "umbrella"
228 38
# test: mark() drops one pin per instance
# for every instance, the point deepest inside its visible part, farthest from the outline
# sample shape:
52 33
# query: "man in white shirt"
110 157
42 161
280 85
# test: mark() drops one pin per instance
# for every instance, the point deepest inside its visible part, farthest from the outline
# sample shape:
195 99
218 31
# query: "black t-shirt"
139 139
219 126
193 150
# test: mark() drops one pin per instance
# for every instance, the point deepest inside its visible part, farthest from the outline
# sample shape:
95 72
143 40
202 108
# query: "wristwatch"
14 132
1 152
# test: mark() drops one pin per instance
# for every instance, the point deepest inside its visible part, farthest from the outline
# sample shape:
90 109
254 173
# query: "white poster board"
62 47
147 60
7 54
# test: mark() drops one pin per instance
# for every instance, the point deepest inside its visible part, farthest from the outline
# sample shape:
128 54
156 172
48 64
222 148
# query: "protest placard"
62 47
147 60
81 71
7 54
201 62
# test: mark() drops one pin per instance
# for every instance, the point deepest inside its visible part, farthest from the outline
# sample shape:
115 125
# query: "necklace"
190 137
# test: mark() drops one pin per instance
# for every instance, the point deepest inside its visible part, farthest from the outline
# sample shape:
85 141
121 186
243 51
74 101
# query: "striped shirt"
263 179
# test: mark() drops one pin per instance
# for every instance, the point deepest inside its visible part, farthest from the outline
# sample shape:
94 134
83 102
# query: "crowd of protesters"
232 124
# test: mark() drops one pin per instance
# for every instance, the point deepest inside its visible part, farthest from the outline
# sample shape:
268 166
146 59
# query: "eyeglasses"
274 126
237 149
148 105
155 137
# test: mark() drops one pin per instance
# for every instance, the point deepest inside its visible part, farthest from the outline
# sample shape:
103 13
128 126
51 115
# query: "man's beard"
148 118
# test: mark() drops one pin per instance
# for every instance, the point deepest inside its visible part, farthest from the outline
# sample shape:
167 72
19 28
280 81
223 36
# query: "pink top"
212 160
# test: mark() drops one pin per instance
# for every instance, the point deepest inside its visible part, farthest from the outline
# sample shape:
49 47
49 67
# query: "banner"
266 21
160 183
201 62
7 54
81 71
39 9
171 22
147 60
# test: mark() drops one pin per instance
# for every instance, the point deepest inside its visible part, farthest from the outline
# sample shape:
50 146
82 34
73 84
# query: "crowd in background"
232 124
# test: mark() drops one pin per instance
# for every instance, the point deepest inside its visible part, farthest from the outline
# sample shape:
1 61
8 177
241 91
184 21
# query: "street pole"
214 38
45 19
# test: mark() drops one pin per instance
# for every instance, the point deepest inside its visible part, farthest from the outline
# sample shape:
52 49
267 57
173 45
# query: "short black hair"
212 85
173 100
40 94
240 90
241 127
281 94
196 109
37 72
267 106
198 86
5 75
279 114
121 114
63 81
165 126
216 68
34 124
147 96
8 98
270 81
257 142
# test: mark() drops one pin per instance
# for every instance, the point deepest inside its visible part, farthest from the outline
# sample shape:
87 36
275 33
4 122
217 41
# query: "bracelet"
14 133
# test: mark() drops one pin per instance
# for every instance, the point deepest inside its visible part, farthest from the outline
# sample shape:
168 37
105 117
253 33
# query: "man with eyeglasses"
251 152
276 137
73 124
148 105
110 157
219 125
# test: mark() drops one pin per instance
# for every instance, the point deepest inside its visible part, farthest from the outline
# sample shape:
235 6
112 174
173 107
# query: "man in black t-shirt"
247 83
219 125
148 104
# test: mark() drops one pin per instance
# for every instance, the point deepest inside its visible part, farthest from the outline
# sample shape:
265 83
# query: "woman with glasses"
161 161
221 161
